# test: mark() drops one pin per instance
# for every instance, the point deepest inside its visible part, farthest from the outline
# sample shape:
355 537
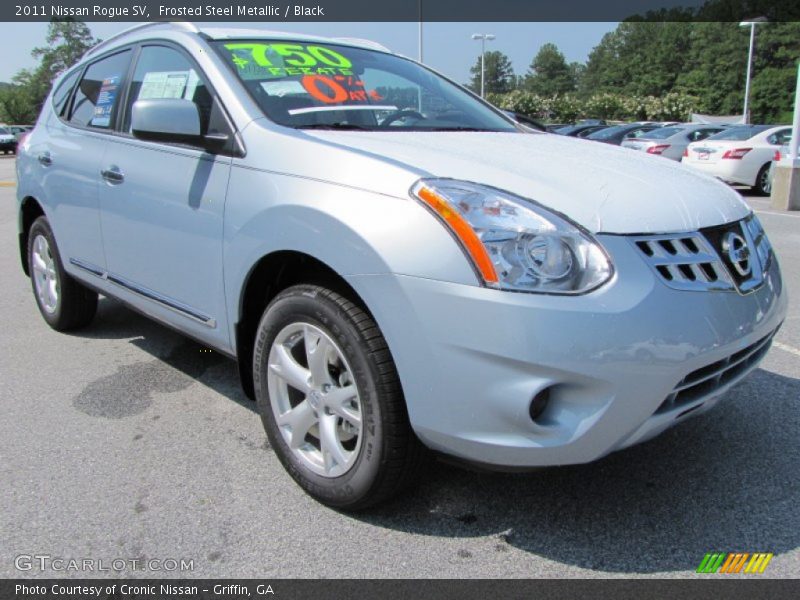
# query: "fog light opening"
539 404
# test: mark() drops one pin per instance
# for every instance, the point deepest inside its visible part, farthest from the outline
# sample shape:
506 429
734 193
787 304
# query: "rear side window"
96 99
63 91
740 134
663 133
639 133
163 72
779 138
701 134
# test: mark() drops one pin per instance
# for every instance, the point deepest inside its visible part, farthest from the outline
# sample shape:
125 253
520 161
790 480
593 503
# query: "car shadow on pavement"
178 362
724 481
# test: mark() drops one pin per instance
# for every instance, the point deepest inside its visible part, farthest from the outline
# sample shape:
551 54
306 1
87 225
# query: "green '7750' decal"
246 55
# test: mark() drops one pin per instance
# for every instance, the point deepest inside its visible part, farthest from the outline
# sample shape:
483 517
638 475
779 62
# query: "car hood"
603 188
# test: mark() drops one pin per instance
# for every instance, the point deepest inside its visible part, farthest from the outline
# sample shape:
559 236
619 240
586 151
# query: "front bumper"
471 359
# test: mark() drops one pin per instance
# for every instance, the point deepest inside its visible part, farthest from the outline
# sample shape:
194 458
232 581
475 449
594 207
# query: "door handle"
113 175
45 159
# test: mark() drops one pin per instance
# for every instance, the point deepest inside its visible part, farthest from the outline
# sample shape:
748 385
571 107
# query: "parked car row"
736 154
739 155
8 143
10 136
671 141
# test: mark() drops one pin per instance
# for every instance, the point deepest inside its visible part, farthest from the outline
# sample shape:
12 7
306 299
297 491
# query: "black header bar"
398 10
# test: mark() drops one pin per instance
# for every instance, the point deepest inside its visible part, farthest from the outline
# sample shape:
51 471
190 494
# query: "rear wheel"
330 399
63 302
763 186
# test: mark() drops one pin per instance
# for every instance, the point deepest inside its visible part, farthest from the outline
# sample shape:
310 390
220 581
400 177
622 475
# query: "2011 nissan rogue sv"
394 263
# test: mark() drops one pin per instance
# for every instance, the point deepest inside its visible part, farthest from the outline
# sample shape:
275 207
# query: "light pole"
419 33
483 37
752 24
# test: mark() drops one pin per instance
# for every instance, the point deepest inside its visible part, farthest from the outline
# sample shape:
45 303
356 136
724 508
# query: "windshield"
310 84
739 134
4 131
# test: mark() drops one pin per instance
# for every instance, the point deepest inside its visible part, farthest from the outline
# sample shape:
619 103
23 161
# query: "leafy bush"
674 106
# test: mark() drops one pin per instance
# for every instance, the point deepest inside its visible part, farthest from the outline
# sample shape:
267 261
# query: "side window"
637 133
702 134
784 136
96 99
63 91
163 72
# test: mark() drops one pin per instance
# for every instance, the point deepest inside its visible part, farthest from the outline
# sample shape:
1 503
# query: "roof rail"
363 42
182 25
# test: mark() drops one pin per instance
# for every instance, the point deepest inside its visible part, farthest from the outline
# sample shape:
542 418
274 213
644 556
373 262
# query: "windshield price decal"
338 89
254 60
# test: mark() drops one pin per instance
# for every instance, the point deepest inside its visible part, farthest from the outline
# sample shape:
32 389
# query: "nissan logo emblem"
735 247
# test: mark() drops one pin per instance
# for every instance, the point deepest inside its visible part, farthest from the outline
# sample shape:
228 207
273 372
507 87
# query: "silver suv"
396 265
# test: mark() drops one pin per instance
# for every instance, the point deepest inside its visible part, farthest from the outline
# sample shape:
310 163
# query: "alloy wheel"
45 274
314 399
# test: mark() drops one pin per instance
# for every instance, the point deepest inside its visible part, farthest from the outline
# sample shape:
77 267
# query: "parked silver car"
671 141
395 265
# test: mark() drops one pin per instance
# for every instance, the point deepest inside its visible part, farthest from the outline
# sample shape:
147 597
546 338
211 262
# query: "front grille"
703 382
700 261
685 261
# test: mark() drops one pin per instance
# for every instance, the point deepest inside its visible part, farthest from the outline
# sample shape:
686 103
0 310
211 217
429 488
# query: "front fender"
353 231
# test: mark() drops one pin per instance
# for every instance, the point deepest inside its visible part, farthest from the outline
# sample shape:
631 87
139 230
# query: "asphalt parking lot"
126 440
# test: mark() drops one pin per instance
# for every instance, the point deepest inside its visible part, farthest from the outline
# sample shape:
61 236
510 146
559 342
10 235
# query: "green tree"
499 75
715 66
549 72
775 72
704 60
67 40
638 58
15 105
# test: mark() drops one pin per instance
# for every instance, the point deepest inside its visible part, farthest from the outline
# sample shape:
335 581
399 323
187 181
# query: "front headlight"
513 243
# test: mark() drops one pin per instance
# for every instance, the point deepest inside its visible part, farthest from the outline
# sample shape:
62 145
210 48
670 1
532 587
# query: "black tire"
76 304
763 186
390 456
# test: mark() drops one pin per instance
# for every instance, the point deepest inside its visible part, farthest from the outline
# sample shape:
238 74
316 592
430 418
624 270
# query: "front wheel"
64 303
330 399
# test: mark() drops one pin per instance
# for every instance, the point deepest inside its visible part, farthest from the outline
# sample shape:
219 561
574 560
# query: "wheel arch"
30 209
271 274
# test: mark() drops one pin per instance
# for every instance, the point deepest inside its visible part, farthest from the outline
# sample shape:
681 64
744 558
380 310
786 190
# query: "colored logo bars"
734 562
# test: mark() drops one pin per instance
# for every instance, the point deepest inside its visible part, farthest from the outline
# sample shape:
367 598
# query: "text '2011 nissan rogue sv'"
394 263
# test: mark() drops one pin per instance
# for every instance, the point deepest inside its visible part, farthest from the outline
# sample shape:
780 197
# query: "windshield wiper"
350 126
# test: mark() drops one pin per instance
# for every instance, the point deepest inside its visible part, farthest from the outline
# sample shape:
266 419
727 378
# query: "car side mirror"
167 120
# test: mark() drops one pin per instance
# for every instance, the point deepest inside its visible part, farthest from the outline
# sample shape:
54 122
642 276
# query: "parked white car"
739 155
671 141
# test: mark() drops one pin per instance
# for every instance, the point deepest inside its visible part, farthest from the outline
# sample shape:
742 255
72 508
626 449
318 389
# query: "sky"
447 47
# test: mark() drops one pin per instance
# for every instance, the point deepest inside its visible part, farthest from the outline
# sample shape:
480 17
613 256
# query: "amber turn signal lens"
463 231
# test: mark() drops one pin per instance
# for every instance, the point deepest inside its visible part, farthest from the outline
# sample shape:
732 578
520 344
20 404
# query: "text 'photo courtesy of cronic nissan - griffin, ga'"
398 275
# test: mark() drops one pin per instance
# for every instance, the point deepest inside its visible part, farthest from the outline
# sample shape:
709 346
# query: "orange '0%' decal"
312 84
